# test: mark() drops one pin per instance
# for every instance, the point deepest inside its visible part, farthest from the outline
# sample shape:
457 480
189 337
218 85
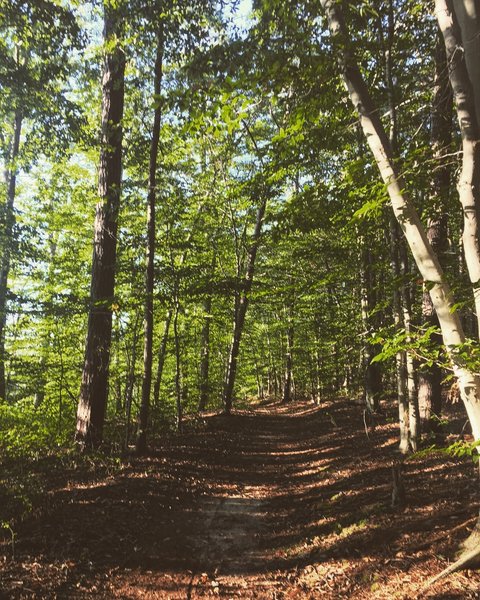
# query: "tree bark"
425 258
130 379
372 374
287 384
413 414
178 368
242 308
94 388
205 355
9 218
468 15
401 356
141 444
161 358
469 181
404 366
430 377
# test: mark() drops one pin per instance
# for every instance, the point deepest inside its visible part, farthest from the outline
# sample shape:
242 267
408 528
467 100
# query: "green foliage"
419 342
28 430
244 114
458 449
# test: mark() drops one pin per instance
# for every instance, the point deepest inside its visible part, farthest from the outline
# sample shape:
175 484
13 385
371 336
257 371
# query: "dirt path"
278 503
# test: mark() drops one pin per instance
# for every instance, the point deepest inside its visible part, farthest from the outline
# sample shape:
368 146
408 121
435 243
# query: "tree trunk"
469 181
178 368
205 348
372 374
430 377
94 388
205 355
401 356
467 15
287 384
404 367
272 371
141 444
318 384
258 376
242 309
130 380
9 217
161 358
416 237
118 382
413 415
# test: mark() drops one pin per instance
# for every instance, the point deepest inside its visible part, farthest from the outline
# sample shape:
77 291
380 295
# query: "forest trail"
280 502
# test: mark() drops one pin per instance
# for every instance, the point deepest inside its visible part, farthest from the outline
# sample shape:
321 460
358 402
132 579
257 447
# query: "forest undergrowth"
280 502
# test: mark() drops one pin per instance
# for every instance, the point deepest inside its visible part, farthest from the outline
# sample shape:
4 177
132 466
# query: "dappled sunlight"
248 497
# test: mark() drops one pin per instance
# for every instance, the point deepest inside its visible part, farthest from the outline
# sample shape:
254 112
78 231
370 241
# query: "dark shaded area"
292 500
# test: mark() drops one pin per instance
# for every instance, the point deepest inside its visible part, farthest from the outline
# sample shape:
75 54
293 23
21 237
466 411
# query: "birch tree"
469 180
415 234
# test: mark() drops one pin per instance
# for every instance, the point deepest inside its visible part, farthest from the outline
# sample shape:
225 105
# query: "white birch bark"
468 183
469 23
425 258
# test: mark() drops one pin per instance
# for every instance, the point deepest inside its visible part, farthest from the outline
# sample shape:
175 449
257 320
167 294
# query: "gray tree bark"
141 444
430 377
468 17
161 357
469 180
372 372
287 383
205 355
425 258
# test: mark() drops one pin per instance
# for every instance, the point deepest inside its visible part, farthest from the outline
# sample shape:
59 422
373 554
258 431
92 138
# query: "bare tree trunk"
429 377
205 348
372 374
178 368
242 308
205 355
9 217
161 358
141 444
272 371
118 383
467 14
94 389
425 258
168 319
413 414
287 385
469 181
318 383
401 357
258 376
406 390
130 382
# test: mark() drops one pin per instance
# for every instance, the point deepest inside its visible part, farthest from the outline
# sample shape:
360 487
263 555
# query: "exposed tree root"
466 559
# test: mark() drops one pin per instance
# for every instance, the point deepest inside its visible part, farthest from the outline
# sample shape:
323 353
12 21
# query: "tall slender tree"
94 388
430 376
243 301
425 258
469 180
7 236
150 253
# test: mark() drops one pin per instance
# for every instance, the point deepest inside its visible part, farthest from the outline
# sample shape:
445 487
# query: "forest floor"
277 502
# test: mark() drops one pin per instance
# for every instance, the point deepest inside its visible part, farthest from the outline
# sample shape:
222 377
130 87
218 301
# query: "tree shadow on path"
287 500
